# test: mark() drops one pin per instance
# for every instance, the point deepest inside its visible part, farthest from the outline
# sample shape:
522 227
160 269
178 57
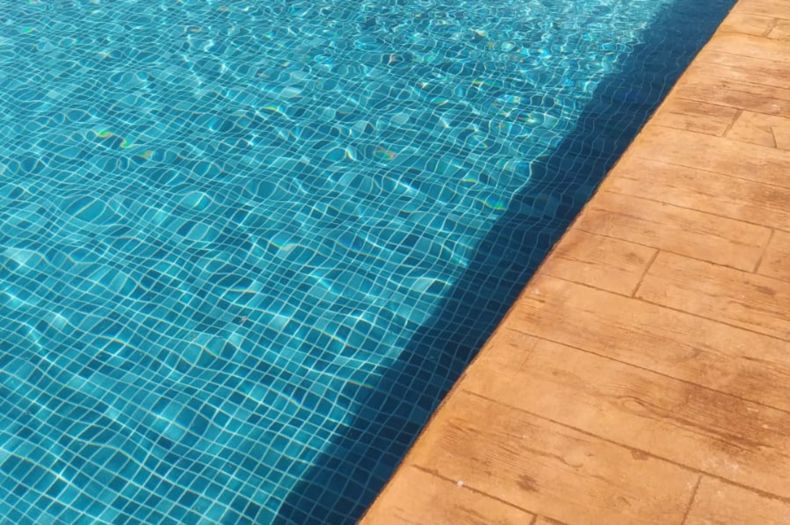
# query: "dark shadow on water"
351 471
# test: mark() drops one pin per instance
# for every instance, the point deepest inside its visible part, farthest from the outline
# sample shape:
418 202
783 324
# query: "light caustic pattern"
223 227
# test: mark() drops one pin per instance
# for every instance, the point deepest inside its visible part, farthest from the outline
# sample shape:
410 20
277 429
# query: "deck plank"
678 345
680 230
709 431
712 85
775 8
738 69
716 154
550 469
751 301
602 262
781 30
758 25
759 68
740 44
419 497
776 262
765 130
542 520
718 503
702 117
708 192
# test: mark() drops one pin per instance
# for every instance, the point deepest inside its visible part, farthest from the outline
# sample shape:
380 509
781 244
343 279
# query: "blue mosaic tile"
246 247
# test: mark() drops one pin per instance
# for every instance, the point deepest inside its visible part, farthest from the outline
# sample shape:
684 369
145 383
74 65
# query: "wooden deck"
643 376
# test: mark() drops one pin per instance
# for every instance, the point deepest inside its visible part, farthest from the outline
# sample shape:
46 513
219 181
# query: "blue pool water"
246 247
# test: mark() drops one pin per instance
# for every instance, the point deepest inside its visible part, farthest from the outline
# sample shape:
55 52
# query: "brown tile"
766 130
502 351
547 521
418 497
774 8
722 86
739 45
749 24
740 298
679 345
687 424
781 30
718 154
776 262
680 230
782 135
701 190
735 68
602 262
696 116
719 503
768 100
548 468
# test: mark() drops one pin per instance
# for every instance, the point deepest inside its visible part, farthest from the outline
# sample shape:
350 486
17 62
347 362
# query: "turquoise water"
246 247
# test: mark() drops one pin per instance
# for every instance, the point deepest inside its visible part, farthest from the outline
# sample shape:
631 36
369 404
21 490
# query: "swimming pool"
245 247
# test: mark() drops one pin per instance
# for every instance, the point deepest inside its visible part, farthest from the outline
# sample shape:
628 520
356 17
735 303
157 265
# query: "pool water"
246 247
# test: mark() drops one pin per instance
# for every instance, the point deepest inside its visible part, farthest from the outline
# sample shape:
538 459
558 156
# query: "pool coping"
640 375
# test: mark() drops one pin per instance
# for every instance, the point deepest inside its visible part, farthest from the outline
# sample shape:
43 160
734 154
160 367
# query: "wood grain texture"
743 45
718 85
718 503
743 299
749 24
702 117
421 498
550 469
651 413
772 8
716 154
781 30
736 198
772 131
739 69
679 345
542 520
602 262
675 229
776 262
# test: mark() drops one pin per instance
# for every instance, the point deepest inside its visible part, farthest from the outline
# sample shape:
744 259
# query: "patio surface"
643 376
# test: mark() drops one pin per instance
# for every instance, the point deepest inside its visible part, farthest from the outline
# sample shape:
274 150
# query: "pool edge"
386 502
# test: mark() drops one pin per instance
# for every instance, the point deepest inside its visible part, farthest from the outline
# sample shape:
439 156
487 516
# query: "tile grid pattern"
642 375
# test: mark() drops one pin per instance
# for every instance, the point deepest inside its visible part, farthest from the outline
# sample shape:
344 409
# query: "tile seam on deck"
630 448
648 370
